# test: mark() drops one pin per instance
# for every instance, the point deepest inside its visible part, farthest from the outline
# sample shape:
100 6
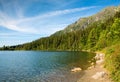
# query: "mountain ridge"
84 22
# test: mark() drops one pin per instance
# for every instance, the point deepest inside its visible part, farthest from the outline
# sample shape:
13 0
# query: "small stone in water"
76 69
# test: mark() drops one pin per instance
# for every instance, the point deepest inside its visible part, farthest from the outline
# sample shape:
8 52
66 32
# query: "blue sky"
23 21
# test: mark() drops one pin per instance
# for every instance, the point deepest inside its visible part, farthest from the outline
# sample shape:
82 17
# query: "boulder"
99 75
77 69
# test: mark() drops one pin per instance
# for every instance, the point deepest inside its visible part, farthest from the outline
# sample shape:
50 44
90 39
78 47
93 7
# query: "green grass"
112 62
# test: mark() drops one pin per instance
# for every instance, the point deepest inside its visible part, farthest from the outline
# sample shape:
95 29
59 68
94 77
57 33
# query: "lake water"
38 66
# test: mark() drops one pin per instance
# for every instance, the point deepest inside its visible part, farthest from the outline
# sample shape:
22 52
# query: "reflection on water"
36 66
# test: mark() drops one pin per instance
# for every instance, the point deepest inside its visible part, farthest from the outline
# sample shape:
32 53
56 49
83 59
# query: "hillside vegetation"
112 61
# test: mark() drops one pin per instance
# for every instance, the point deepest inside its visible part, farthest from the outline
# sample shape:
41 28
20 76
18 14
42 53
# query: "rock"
92 63
76 69
99 75
99 58
89 61
91 67
100 61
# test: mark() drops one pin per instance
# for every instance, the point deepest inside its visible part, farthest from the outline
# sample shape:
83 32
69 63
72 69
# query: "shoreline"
97 72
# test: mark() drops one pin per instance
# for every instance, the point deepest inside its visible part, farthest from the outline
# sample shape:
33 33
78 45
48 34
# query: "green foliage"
112 62
115 29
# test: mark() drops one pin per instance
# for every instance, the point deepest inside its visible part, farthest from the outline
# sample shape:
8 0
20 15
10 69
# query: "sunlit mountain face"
24 21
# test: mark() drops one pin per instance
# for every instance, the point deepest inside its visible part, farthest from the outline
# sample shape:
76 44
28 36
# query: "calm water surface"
37 66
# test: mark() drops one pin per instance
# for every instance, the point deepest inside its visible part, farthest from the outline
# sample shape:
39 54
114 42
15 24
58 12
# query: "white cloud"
56 13
35 24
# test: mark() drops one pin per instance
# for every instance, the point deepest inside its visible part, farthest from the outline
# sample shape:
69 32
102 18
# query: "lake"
42 66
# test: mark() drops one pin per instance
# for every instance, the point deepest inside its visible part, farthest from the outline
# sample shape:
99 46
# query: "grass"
112 61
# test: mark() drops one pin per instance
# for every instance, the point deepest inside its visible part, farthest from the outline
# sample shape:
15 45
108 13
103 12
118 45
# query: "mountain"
82 23
89 33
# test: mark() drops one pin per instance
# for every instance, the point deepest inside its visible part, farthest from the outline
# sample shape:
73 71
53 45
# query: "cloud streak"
29 24
57 13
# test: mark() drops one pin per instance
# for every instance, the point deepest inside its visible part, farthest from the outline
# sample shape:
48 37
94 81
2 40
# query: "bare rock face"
87 21
77 69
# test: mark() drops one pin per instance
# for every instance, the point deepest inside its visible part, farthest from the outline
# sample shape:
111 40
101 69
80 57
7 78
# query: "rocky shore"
96 73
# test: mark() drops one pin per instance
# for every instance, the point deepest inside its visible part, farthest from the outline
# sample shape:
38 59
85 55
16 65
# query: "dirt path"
97 73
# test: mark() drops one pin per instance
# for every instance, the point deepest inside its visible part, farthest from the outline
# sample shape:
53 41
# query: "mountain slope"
82 23
94 32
